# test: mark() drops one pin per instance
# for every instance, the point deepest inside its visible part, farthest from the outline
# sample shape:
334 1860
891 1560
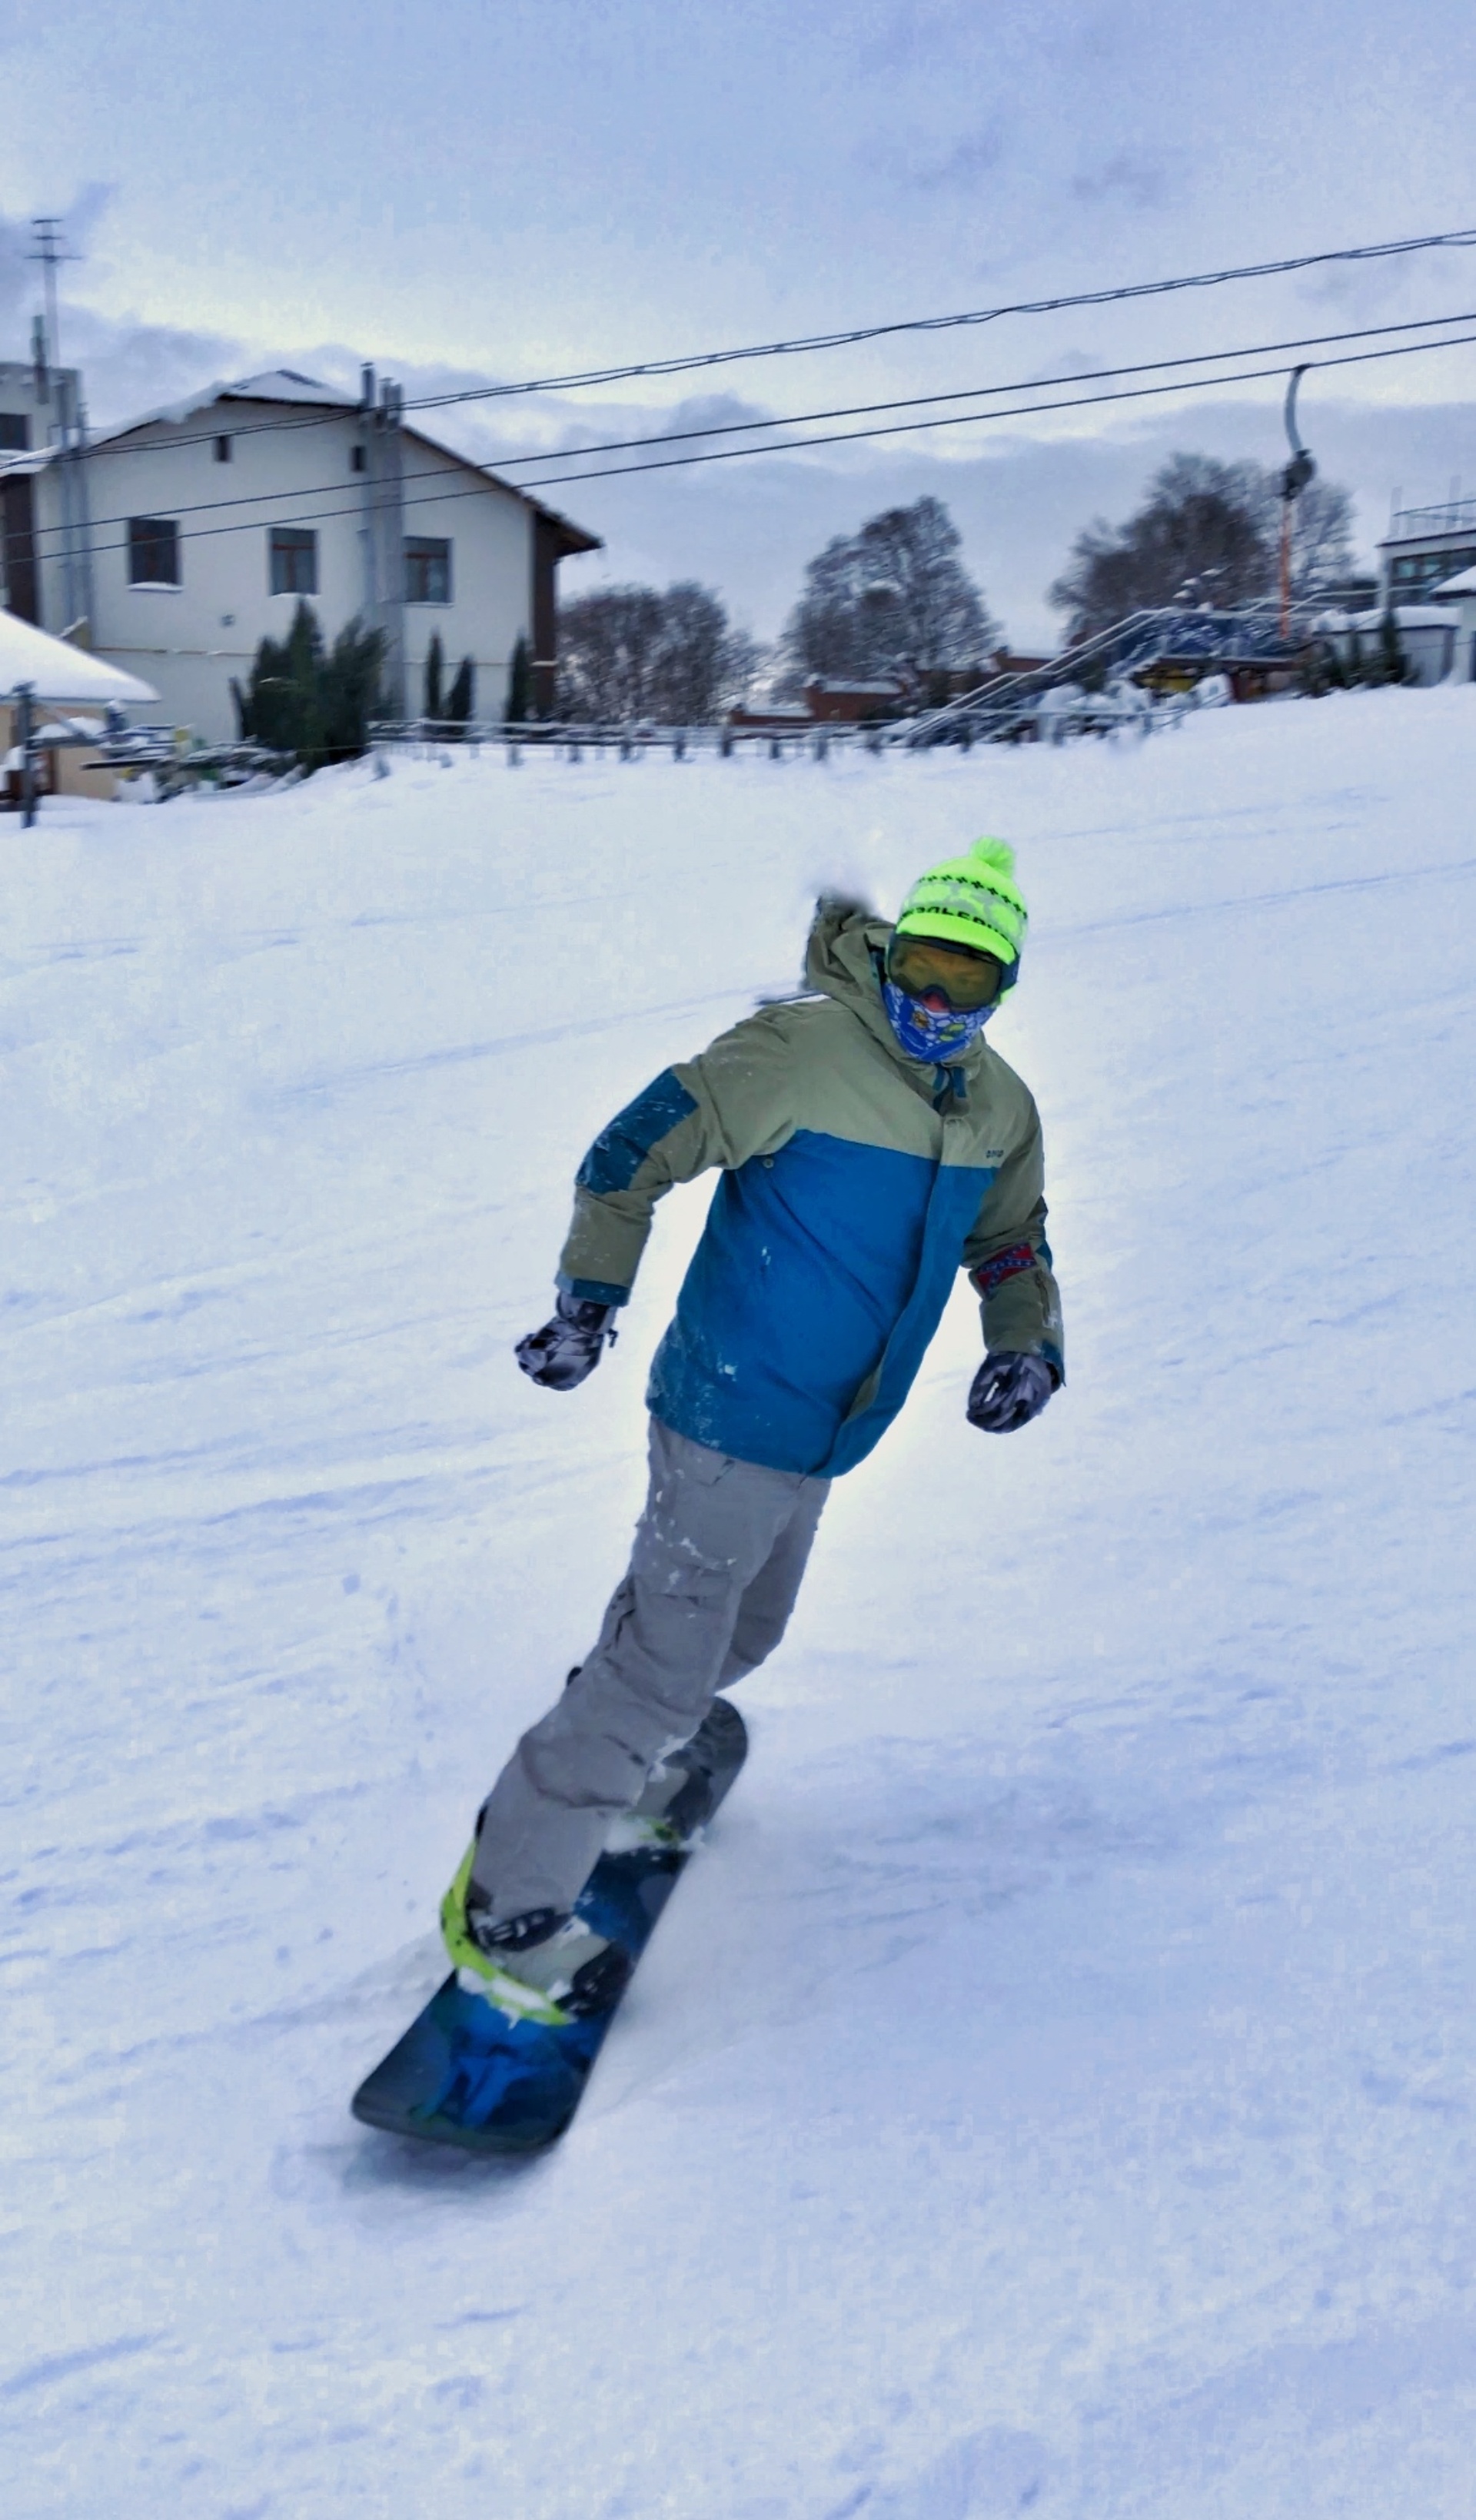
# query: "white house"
204 524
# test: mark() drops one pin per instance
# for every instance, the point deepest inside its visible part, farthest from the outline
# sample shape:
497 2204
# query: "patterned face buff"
938 1034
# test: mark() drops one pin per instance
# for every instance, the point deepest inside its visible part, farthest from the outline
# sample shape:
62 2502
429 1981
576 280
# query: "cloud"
1068 363
551 424
1134 176
916 35
962 168
18 279
128 363
920 163
712 413
128 367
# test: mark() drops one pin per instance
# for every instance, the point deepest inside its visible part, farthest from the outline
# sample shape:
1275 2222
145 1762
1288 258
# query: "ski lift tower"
1295 476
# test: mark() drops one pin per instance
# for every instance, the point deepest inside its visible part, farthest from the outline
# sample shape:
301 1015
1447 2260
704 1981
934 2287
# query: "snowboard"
466 2073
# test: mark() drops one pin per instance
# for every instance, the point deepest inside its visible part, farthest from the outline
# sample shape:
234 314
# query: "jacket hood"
838 963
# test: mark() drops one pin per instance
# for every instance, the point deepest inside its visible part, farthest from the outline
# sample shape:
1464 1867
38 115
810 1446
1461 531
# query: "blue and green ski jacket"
855 1182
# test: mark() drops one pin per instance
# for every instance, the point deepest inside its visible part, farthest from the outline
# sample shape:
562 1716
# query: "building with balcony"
1424 546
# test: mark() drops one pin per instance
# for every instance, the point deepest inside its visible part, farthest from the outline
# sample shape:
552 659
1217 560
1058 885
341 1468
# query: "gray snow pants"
719 1553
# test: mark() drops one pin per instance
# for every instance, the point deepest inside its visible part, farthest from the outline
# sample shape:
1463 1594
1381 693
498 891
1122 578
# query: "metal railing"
629 741
1449 516
1010 706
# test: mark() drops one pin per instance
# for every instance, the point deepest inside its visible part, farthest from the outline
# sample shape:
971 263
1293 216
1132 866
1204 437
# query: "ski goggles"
964 979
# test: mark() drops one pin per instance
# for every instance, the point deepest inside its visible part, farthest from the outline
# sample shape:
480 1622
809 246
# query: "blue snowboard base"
465 2073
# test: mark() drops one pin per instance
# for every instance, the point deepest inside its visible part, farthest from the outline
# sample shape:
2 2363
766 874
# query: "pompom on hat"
973 901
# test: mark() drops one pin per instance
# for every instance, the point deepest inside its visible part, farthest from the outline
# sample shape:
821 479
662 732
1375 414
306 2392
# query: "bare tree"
894 597
632 652
1207 532
605 640
1321 535
701 665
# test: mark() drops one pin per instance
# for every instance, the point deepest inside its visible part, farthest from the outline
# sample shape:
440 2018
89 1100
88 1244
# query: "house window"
153 551
14 433
294 559
356 459
427 569
222 450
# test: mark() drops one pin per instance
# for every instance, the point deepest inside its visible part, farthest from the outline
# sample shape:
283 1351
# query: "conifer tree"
349 685
520 684
461 700
1392 663
313 704
435 665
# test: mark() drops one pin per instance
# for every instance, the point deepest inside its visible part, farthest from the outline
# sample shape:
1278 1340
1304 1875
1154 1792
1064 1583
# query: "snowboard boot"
541 1967
668 1814
677 1795
676 1798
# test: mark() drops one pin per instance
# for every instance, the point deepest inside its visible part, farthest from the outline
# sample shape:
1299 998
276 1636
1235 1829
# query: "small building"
207 521
772 717
1429 634
72 695
1004 660
1424 546
833 701
1456 598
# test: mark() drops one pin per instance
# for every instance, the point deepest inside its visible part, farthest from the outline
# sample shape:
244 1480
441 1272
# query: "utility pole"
26 728
69 429
384 529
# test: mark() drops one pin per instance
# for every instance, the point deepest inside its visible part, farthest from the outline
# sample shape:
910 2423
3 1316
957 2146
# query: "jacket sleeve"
1008 1259
731 1104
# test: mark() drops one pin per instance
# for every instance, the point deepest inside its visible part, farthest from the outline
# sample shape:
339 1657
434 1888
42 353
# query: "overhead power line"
263 499
686 364
946 323
895 428
1015 411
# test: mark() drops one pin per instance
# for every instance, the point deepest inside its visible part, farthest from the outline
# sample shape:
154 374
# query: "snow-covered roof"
58 671
287 384
274 385
887 689
1462 583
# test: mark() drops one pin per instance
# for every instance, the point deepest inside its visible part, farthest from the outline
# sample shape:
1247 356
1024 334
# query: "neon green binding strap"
511 1995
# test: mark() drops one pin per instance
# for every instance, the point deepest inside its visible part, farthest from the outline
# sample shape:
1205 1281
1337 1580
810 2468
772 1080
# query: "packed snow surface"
1053 2088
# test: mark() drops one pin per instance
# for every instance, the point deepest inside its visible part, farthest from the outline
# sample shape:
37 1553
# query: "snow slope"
1054 2087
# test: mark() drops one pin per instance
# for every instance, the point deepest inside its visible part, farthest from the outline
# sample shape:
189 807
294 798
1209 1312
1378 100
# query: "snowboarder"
871 1144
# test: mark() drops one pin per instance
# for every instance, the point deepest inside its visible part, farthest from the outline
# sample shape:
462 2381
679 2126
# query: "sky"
476 194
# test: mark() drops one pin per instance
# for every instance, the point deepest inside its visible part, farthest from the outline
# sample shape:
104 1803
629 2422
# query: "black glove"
567 1349
1008 1391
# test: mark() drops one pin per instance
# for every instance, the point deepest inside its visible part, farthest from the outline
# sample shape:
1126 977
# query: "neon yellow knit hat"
973 900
